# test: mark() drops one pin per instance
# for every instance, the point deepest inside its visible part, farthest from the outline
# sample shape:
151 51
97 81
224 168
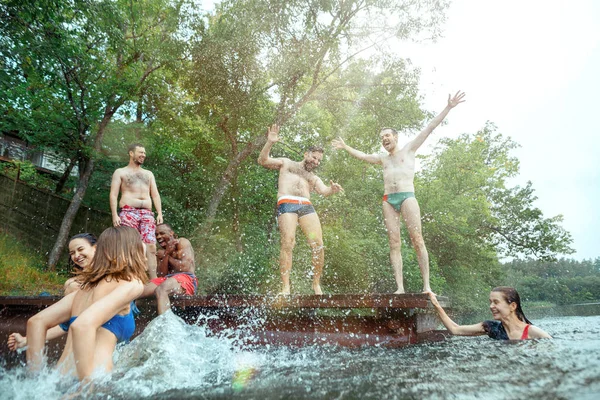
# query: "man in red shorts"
176 266
138 192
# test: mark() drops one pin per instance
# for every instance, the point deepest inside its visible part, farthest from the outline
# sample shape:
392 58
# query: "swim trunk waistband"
293 200
127 208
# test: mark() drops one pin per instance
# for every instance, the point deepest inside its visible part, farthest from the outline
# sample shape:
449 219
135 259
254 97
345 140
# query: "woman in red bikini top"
509 322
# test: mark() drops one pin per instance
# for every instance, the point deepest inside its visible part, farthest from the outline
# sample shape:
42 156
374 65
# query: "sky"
533 69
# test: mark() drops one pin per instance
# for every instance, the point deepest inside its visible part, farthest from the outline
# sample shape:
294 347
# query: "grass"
22 271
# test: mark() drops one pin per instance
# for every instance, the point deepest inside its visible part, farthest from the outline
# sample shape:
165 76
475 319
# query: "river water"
173 360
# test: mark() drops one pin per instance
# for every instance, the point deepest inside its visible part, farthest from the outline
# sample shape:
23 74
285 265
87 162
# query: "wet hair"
312 149
119 255
90 238
512 296
395 132
133 146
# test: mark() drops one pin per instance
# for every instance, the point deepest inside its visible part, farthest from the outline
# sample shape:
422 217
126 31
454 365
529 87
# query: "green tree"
258 62
70 67
470 216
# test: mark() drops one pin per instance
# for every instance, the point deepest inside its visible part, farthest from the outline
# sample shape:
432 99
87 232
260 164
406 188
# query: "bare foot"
428 291
284 292
317 289
399 291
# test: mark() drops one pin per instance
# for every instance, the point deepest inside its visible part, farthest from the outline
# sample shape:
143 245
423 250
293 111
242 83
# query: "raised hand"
172 246
335 188
456 100
338 143
273 133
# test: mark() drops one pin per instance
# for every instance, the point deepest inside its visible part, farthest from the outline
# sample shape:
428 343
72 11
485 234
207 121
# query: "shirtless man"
399 198
176 266
296 180
138 192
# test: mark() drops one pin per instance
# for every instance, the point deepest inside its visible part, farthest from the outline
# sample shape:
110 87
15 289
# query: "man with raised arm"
296 181
138 192
399 190
176 268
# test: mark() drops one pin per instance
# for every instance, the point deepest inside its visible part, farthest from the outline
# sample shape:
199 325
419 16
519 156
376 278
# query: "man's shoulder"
128 170
148 172
289 165
286 161
120 171
184 241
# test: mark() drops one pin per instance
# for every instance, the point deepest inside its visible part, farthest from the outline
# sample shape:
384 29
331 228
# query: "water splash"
174 360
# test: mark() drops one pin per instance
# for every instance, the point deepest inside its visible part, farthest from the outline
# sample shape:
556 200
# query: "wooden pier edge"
348 320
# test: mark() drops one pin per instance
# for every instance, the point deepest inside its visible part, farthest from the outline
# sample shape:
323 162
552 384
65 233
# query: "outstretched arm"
324 190
452 102
453 327
370 158
264 157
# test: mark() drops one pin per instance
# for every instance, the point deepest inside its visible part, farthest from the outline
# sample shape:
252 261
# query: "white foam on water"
173 355
174 360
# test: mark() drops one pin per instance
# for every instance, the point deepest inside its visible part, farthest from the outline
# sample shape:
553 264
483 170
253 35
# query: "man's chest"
398 161
135 179
298 176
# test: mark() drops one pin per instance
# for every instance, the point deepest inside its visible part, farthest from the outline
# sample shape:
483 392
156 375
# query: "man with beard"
176 267
399 196
138 192
296 180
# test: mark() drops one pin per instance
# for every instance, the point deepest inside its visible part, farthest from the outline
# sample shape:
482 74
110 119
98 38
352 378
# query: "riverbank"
537 310
22 271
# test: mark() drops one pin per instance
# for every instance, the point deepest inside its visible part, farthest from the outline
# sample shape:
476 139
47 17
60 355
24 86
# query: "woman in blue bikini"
509 321
99 314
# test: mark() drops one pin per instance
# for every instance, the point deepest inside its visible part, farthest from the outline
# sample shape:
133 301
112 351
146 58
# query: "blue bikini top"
122 326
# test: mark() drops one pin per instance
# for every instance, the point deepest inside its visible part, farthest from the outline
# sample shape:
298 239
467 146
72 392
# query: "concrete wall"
34 215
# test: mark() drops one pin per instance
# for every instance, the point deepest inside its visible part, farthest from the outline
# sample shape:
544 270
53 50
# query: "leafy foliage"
562 281
199 91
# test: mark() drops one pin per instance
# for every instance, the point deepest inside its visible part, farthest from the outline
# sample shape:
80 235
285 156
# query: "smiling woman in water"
509 322
82 248
99 314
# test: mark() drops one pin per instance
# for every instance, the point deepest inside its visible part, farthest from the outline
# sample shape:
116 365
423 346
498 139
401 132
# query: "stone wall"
34 215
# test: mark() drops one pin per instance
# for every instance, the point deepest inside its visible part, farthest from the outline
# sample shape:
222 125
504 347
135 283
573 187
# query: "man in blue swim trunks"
399 196
296 181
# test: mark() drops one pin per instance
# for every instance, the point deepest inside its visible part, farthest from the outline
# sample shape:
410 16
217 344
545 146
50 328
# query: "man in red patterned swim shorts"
138 192
176 266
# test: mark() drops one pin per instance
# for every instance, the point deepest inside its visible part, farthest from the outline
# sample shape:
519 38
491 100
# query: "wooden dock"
349 320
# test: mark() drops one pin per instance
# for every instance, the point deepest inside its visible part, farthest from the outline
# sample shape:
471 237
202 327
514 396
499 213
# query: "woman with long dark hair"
509 321
82 248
